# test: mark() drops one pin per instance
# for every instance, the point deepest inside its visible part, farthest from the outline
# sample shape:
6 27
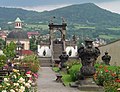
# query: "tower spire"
18 23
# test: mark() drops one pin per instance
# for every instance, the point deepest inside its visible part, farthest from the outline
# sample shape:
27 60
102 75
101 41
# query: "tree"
2 60
9 50
2 43
33 43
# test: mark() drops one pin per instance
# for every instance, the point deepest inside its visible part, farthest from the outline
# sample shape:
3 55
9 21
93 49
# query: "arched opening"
44 53
70 52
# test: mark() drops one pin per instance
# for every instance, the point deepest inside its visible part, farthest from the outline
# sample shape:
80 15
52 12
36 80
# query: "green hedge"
74 70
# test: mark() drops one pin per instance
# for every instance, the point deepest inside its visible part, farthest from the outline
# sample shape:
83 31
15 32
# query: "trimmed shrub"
73 71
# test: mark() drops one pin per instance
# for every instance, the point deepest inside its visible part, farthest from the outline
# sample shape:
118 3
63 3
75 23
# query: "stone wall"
22 41
114 51
41 50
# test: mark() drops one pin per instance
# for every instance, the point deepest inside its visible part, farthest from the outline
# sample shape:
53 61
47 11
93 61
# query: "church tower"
18 35
18 23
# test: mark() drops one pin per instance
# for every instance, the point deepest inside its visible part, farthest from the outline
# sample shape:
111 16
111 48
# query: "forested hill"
87 13
10 14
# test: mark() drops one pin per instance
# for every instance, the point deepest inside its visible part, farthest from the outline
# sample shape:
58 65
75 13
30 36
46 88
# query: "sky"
42 5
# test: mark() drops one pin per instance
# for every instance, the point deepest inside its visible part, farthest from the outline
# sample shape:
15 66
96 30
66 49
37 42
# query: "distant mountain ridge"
10 14
88 14
84 13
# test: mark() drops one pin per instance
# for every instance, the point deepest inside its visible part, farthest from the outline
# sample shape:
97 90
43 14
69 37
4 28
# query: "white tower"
18 23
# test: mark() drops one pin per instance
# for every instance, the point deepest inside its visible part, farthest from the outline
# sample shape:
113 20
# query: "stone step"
57 44
91 88
44 58
45 65
56 55
57 50
45 62
56 47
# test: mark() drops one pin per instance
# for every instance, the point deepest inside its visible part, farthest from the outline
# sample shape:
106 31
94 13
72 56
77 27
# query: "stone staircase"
57 49
45 62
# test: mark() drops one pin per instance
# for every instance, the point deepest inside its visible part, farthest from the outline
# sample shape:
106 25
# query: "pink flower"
29 72
35 75
30 78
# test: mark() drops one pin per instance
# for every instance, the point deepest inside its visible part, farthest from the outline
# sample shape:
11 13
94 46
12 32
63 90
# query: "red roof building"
3 35
30 34
26 52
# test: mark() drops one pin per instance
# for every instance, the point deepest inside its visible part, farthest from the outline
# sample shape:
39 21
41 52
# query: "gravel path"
46 82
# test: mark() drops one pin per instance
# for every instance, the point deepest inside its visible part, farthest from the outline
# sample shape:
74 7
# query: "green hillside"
10 14
87 13
84 20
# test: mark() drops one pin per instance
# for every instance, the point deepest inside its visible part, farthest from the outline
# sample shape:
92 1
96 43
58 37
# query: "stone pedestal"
64 70
88 55
87 85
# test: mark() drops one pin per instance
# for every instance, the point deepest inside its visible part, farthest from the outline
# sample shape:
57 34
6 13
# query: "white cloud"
46 7
113 6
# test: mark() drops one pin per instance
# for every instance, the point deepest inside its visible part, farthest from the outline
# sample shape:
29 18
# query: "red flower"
100 66
105 67
117 80
106 71
95 76
113 74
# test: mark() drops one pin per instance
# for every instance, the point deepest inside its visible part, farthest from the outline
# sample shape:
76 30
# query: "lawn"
66 79
83 27
56 69
118 28
109 36
43 26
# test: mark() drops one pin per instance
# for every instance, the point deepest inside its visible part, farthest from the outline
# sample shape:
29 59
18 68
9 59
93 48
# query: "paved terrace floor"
46 82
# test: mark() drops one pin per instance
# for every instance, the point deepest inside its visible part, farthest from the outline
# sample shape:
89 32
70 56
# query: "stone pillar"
51 42
64 34
38 48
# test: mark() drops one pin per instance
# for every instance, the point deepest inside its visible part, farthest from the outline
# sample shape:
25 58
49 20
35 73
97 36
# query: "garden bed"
22 76
106 76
